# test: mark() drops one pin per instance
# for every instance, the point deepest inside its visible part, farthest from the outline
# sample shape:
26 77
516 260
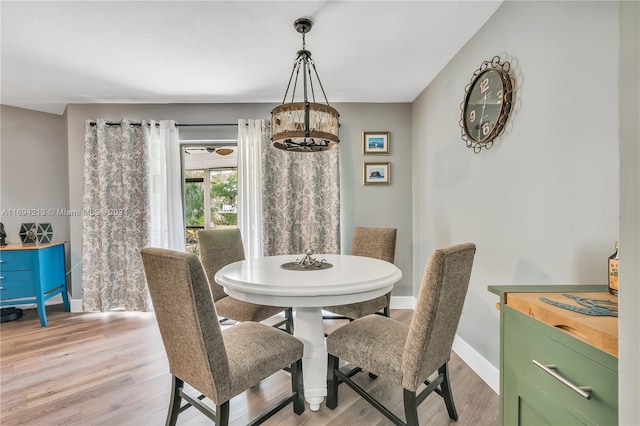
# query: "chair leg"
297 387
410 408
288 326
175 401
446 392
222 414
332 382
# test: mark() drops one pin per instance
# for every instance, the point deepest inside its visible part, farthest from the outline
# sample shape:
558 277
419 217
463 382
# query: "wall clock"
488 101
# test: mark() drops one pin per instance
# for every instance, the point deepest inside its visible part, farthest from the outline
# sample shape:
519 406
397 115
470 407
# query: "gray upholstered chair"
219 364
218 248
379 243
407 355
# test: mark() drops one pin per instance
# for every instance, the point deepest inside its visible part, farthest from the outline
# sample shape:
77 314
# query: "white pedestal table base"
308 328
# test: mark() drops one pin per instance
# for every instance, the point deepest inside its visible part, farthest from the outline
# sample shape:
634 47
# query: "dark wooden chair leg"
446 392
410 408
175 401
288 326
297 386
222 414
332 382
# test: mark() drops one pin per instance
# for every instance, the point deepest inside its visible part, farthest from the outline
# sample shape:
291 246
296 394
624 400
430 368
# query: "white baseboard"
483 368
402 302
76 305
479 364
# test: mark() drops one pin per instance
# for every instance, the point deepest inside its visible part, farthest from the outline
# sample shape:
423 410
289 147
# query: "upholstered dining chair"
218 248
218 364
407 355
379 243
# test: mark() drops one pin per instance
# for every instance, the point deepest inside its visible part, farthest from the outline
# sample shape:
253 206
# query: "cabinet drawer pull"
583 391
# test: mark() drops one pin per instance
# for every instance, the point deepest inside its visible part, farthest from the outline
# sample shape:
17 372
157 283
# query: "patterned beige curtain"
115 222
301 200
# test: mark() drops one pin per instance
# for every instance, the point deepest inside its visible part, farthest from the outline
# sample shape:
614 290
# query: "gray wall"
543 204
33 172
362 206
629 354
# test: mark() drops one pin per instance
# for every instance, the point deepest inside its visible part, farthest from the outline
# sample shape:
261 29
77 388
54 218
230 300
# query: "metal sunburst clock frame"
487 104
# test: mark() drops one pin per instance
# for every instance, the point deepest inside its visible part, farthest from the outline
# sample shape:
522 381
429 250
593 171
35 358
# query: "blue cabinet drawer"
15 260
16 284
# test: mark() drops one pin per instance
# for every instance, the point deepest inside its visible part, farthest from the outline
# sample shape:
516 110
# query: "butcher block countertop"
599 331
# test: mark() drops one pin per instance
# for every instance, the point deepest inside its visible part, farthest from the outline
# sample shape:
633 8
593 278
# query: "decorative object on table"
3 235
596 307
28 233
306 263
613 271
304 126
488 101
44 233
375 143
376 173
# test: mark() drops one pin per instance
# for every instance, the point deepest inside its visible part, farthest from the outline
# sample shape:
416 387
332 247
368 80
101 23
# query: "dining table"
285 280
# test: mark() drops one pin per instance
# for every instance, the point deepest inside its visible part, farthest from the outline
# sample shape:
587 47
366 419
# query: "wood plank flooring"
111 369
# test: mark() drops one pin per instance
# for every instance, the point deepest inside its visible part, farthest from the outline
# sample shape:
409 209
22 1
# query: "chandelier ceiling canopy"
305 126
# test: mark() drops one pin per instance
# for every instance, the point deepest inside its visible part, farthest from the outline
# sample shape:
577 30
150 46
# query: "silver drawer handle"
583 391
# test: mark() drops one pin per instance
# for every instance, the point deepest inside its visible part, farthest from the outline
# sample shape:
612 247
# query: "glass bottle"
613 272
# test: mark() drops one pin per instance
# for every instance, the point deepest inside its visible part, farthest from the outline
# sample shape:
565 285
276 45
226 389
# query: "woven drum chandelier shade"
304 126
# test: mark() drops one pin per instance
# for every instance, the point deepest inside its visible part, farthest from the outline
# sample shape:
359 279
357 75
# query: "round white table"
351 279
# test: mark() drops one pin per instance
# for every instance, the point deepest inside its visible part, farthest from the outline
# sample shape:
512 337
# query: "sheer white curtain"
166 220
251 136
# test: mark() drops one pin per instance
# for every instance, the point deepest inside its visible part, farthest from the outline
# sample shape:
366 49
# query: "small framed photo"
375 143
377 173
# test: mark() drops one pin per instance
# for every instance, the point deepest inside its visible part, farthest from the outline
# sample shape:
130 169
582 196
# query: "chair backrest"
218 248
379 243
187 320
437 313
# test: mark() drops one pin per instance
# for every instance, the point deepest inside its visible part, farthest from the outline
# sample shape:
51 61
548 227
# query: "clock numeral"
500 95
486 128
472 116
484 85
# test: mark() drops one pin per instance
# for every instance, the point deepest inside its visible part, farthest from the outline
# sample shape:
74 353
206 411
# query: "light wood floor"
111 369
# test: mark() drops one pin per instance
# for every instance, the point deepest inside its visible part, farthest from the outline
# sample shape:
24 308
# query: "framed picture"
377 173
375 143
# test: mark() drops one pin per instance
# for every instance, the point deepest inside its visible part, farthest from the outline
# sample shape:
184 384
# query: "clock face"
483 105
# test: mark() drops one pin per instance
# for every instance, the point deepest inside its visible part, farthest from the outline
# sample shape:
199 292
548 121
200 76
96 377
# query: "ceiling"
59 52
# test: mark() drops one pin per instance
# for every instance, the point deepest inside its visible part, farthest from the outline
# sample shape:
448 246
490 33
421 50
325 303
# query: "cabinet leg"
42 313
65 300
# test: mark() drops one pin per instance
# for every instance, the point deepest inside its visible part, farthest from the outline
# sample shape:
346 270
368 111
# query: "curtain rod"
110 123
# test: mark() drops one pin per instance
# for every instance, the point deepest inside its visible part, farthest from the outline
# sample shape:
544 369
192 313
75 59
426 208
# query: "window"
210 189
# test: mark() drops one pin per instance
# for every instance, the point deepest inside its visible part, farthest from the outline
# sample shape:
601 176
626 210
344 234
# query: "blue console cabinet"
31 274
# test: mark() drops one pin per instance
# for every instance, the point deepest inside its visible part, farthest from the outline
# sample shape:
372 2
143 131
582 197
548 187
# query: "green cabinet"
550 377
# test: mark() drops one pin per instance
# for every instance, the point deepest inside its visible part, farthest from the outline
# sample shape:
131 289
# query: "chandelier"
304 126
